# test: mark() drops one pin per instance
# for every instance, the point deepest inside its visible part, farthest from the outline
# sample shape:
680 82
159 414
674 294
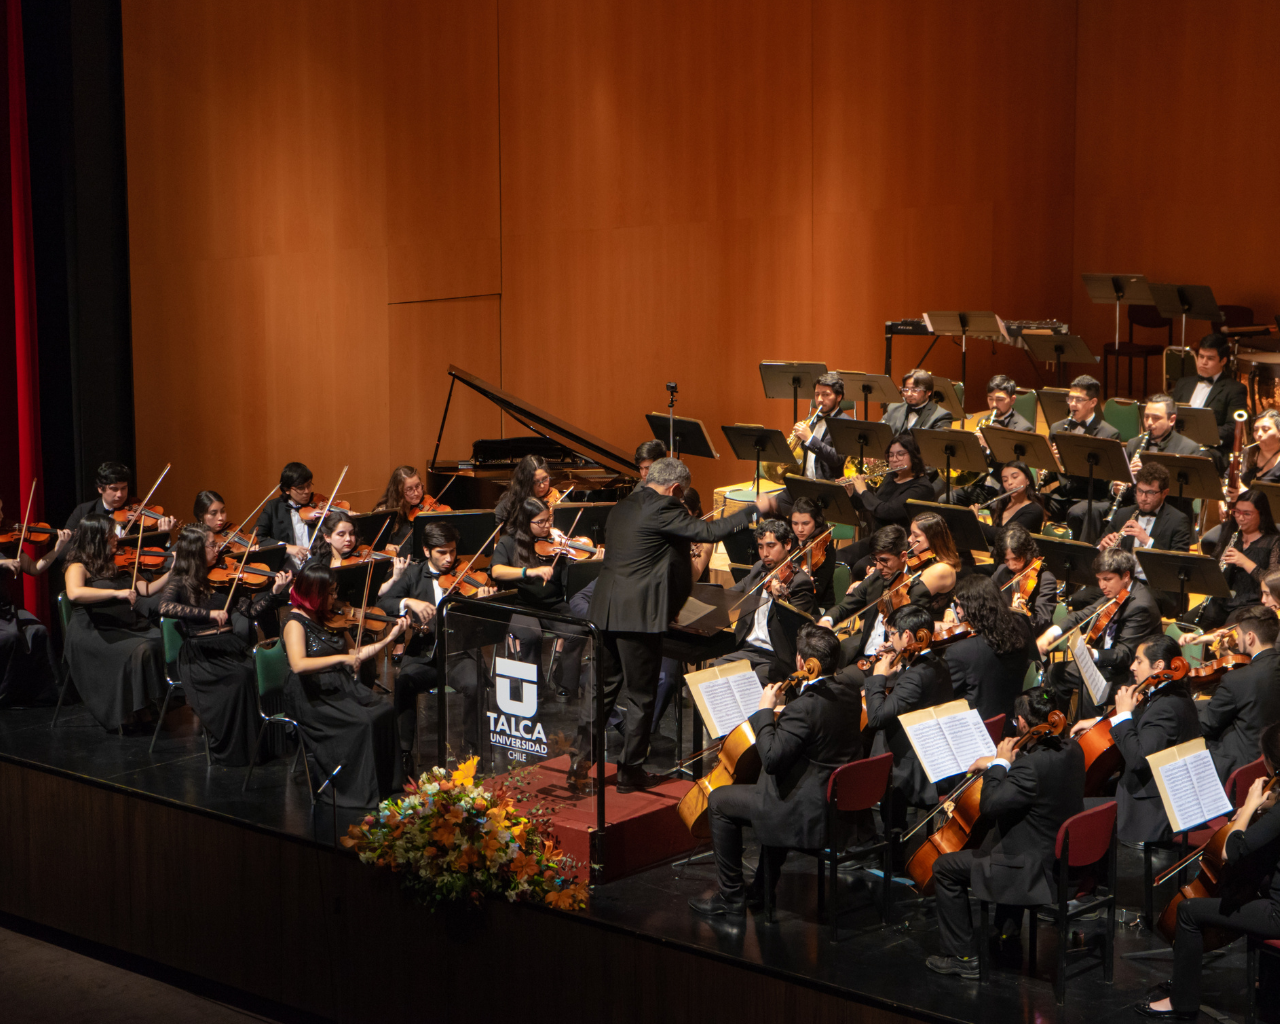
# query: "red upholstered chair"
1237 787
1139 316
995 726
1084 839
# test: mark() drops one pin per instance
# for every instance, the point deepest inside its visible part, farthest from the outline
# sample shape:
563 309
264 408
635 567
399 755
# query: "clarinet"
1115 505
1222 562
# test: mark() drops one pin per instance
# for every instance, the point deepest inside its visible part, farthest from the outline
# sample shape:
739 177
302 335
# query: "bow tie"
1205 380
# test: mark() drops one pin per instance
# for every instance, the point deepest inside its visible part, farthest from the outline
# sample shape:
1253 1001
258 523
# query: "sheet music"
968 737
1209 789
935 753
1195 794
731 701
1089 672
746 688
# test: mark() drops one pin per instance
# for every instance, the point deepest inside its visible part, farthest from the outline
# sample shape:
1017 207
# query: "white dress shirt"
1201 393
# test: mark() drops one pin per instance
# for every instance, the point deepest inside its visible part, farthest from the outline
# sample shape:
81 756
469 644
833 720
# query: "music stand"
372 526
709 609
590 523
1272 492
966 324
1185 300
1066 558
958 448
854 438
1198 424
1108 288
871 387
945 389
683 434
350 580
751 441
965 527
1182 572
1059 349
838 506
1053 403
473 528
1097 458
1020 446
785 380
1195 475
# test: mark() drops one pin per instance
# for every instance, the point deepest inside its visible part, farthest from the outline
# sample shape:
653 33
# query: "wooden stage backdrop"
331 200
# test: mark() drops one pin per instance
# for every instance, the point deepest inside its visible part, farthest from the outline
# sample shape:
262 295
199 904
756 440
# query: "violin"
738 762
427 504
902 659
37 533
1108 612
130 514
921 560
898 595
468 582
949 633
963 810
1024 584
1101 755
253 576
231 539
813 554
346 616
365 554
150 559
576 549
313 509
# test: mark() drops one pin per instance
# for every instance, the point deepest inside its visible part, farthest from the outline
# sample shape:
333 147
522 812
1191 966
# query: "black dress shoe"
1144 1008
718 906
631 780
964 966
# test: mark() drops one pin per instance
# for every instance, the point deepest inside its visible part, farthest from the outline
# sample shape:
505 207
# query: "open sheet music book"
1189 784
726 696
1089 671
947 738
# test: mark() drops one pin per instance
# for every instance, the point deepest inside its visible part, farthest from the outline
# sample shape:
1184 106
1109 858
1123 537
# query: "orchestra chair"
64 617
1125 414
841 579
271 664
1026 405
856 786
172 645
1032 678
1084 839
1139 316
1061 530
995 728
1256 946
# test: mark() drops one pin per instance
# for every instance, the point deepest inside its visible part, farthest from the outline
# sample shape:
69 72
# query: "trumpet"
794 443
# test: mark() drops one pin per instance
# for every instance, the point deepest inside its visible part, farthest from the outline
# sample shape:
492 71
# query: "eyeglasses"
1150 492
884 560
539 522
911 389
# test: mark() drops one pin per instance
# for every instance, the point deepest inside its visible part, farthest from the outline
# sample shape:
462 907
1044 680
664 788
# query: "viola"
1101 755
254 575
150 559
576 549
738 762
902 659
1108 612
949 633
427 504
231 539
313 509
130 514
963 811
37 533
1210 673
467 582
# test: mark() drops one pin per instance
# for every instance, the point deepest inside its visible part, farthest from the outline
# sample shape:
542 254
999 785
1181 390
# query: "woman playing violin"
342 720
531 479
808 522
113 649
405 496
930 540
28 675
216 662
1031 591
1019 503
336 547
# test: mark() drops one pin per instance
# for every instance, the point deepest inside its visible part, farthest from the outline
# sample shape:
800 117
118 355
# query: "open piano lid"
588 445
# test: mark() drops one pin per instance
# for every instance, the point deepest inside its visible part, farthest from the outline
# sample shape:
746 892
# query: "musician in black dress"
1001 393
1247 700
1252 550
930 541
216 659
1151 522
343 722
531 479
403 494
886 505
1016 552
1212 387
917 408
989 667
1027 794
815 733
1072 500
808 523
111 645
28 672
1252 847
280 520
1261 463
1019 505
336 542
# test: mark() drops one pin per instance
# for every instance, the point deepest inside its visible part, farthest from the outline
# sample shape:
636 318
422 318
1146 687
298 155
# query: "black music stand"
945 394
1097 458
1185 300
753 442
1195 476
854 438
787 380
870 387
1272 492
1198 424
1117 288
1183 573
837 505
1053 403
473 528
710 609
964 324
590 523
350 580
951 448
965 527
683 435
372 526
1020 446
1066 558
1058 349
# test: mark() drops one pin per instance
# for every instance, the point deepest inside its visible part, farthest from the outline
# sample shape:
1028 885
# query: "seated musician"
417 593
1019 505
279 519
1159 419
1026 796
1001 392
808 523
885 576
989 667
531 479
1271 590
764 637
647 453
1211 387
906 479
1016 551
1247 700
404 493
934 553
901 682
337 541
821 460
1114 645
917 408
1147 723
1250 842
1072 499
1252 550
112 481
800 746
28 672
1152 522
1261 463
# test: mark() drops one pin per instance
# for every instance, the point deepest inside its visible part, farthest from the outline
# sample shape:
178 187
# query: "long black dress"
116 656
344 723
28 677
217 670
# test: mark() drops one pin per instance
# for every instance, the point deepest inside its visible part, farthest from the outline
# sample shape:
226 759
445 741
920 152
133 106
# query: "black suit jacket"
1170 532
926 683
783 625
1245 702
275 522
989 681
647 573
1026 804
1136 619
932 417
1161 721
1075 488
1174 443
86 508
866 593
414 582
1226 395
816 733
1044 598
828 463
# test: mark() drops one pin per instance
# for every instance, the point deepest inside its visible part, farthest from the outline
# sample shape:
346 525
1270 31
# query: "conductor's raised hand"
767 503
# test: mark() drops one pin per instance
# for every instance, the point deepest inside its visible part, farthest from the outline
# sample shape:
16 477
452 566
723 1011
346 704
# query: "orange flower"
480 804
467 857
523 866
446 835
490 846
455 814
466 772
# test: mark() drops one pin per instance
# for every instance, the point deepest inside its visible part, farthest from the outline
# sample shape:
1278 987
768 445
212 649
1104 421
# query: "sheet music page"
723 705
1093 678
746 690
1183 797
1213 798
968 737
932 747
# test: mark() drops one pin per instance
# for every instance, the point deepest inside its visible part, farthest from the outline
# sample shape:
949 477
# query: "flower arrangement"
450 838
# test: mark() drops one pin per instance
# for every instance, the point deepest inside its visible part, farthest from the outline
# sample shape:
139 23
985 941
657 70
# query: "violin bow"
252 517
364 601
137 555
143 503
463 575
373 548
564 542
436 500
26 519
239 572
311 537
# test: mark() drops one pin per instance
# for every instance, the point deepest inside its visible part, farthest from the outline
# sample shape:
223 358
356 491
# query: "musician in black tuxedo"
1001 392
279 518
917 409
815 734
1211 387
112 481
1146 724
821 460
1151 522
989 667
1159 416
1073 500
1137 617
924 682
1247 699
1026 795
766 637
1016 550
646 577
